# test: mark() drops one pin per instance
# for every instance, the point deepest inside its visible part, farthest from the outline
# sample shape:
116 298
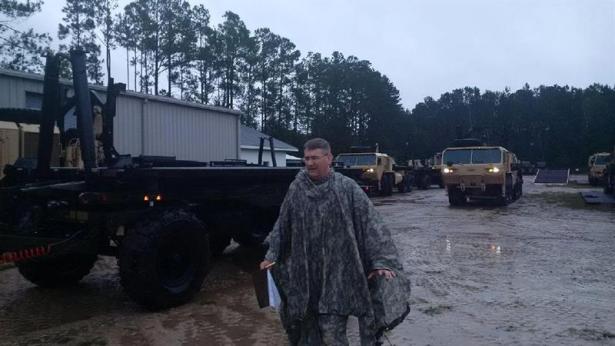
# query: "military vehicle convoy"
596 168
477 172
377 172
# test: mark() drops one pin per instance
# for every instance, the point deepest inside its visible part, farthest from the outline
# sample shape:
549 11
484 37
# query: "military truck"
378 172
427 172
477 172
596 168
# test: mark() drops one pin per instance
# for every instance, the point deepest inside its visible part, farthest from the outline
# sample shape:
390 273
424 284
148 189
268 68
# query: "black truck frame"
162 218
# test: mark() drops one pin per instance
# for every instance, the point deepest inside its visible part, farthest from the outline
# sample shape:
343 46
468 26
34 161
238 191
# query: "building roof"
100 88
250 139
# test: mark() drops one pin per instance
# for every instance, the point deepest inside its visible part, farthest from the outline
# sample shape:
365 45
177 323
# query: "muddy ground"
537 272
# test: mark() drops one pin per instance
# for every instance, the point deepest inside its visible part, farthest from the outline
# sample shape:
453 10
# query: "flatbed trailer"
162 218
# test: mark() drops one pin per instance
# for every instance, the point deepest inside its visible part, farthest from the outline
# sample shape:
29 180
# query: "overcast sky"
430 47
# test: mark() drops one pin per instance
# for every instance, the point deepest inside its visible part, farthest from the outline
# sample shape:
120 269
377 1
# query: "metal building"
145 124
250 145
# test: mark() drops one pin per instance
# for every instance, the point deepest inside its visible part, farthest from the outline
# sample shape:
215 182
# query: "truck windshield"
601 160
357 160
486 156
475 156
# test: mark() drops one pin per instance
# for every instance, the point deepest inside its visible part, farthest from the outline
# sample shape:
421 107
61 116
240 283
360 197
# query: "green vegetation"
172 49
572 200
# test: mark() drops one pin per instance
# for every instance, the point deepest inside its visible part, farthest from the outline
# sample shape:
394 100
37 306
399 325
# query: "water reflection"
493 248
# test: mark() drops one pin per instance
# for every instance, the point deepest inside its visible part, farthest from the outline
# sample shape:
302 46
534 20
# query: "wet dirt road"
537 272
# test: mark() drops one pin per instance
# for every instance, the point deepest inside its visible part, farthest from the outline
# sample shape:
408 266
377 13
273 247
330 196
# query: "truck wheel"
389 182
608 185
425 182
164 260
506 199
57 271
405 185
456 197
519 191
386 185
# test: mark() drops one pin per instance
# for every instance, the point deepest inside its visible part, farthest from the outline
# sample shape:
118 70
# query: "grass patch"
576 185
572 200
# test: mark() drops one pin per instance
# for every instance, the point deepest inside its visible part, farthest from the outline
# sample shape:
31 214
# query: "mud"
536 272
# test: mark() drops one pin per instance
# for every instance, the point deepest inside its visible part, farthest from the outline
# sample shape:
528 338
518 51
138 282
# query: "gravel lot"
537 272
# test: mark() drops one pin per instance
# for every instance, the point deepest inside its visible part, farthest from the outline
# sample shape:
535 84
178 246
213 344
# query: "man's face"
317 163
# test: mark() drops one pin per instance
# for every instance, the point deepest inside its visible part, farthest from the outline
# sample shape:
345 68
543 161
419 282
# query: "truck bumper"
482 192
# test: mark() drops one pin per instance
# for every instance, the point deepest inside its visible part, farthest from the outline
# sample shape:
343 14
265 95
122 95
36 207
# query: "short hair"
317 143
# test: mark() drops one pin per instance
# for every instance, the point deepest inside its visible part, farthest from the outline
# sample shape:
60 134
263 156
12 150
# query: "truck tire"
405 185
456 198
164 260
425 182
57 271
518 191
609 184
507 198
387 184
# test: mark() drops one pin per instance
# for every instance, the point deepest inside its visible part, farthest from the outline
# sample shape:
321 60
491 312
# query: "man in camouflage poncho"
327 242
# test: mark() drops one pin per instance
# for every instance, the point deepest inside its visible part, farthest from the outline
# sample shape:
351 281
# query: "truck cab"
481 173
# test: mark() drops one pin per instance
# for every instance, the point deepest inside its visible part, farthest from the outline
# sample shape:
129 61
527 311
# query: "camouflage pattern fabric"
326 240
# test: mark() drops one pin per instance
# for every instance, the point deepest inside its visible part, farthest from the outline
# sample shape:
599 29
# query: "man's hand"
388 274
266 264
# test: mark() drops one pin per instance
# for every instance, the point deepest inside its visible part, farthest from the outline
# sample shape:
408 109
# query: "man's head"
317 158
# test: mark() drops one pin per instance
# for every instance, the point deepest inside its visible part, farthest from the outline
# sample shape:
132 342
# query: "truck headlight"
369 170
447 170
494 170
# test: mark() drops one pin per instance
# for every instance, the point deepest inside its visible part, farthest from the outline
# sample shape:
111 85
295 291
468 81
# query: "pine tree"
80 24
21 50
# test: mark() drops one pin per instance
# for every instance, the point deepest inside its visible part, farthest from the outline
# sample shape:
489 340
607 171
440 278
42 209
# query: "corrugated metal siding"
152 127
188 132
13 91
127 126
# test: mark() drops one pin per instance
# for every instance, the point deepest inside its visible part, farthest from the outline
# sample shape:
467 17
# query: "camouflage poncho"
326 240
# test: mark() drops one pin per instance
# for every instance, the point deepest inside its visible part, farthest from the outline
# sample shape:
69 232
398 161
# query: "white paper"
274 296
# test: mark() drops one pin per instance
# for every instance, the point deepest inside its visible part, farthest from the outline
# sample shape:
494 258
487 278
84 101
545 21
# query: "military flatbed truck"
477 172
377 173
161 217
427 172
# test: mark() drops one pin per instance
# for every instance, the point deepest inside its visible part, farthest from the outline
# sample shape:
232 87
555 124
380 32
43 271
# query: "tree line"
171 49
